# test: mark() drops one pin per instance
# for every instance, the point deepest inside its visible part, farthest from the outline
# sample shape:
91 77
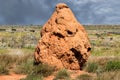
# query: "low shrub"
23 64
24 68
62 74
92 67
6 62
112 65
29 68
42 69
3 70
36 72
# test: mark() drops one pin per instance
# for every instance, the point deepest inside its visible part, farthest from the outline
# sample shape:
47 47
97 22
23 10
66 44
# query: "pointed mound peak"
61 6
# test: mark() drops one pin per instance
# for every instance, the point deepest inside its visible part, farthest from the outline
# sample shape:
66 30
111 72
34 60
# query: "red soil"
12 77
73 74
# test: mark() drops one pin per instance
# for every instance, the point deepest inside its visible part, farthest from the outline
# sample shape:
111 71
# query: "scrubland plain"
17 44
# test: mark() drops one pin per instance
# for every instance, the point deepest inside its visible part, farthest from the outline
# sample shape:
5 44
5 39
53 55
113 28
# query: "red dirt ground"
73 75
12 77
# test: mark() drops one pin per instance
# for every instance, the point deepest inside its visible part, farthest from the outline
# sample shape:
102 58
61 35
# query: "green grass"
113 65
2 51
24 67
105 69
3 69
92 67
105 51
23 64
36 72
103 61
18 39
63 74
43 69
103 65
28 50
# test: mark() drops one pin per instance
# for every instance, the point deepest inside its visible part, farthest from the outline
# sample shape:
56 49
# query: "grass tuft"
92 67
84 77
33 77
43 69
112 65
62 74
6 62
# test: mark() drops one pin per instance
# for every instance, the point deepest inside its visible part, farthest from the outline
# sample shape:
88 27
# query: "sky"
37 12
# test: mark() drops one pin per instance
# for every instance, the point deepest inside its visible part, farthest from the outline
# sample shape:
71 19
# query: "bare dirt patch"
73 74
12 76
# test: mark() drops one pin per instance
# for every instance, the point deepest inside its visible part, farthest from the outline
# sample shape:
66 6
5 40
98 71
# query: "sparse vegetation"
84 77
36 72
113 65
62 74
6 62
3 69
104 60
33 77
112 75
23 64
92 67
2 51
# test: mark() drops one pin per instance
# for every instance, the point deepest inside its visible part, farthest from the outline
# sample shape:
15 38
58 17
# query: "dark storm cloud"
38 11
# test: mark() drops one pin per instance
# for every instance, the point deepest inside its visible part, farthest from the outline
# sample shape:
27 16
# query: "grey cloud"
39 11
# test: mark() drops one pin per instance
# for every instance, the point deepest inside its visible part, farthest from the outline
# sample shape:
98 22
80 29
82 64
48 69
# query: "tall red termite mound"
64 42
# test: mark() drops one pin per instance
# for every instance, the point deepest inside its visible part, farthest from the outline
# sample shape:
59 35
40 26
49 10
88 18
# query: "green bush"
92 67
62 74
27 67
35 72
112 65
42 69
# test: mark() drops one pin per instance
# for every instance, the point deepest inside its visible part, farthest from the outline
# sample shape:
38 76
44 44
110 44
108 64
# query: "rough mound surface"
64 42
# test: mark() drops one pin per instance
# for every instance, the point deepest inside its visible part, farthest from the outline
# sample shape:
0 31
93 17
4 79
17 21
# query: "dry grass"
104 60
84 77
111 75
23 64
